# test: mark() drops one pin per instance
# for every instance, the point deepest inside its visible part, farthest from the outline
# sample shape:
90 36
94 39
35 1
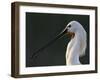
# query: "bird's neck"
72 54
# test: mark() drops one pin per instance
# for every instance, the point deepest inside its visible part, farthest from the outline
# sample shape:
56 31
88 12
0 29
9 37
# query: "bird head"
72 28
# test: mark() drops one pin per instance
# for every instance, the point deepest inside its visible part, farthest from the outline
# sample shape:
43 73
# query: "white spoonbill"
77 45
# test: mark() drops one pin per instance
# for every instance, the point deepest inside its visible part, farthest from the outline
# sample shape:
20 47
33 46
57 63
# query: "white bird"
77 45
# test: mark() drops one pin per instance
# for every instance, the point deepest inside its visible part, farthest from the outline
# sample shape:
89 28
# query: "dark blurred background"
41 28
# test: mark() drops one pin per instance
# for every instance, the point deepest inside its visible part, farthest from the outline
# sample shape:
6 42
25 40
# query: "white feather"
77 45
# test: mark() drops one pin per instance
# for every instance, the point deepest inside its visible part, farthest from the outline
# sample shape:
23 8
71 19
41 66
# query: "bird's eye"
69 26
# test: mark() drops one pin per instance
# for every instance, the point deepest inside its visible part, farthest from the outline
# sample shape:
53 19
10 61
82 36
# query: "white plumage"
77 45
